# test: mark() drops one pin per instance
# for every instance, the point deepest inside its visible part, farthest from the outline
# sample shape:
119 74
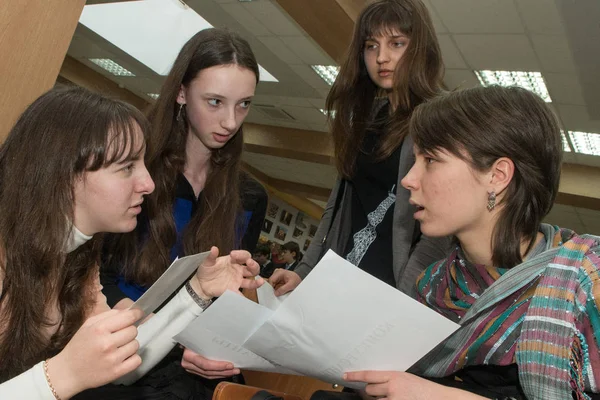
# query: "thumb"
212 256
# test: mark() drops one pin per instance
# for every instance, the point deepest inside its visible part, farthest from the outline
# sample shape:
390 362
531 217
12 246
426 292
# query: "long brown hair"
219 208
418 77
59 137
481 125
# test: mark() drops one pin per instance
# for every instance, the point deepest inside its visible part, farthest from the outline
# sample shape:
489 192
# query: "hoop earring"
491 201
179 118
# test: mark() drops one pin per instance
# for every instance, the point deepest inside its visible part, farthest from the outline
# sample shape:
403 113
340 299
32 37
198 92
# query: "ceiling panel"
554 53
576 118
460 79
479 16
498 52
450 53
307 50
246 19
564 88
541 16
280 49
271 16
308 173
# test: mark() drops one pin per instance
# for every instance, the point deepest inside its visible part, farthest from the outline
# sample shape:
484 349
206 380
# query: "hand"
194 363
394 385
216 275
102 350
284 281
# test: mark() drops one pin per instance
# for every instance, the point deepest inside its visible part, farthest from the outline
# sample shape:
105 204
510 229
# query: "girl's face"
450 198
217 102
109 199
382 54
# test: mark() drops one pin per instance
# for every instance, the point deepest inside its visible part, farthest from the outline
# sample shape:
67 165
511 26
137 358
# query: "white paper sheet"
338 319
342 319
179 271
266 296
220 331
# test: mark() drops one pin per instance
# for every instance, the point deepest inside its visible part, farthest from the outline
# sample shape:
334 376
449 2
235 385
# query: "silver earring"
179 118
491 201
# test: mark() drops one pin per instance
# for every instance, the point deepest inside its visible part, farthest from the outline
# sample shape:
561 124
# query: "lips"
221 138
385 72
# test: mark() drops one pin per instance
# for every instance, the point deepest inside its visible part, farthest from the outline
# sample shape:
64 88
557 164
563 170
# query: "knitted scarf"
543 315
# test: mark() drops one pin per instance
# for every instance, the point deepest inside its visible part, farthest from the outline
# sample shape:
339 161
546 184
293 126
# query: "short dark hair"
263 249
480 125
292 247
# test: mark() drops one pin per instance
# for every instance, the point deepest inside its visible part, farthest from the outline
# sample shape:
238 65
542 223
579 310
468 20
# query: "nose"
228 122
146 184
410 180
383 55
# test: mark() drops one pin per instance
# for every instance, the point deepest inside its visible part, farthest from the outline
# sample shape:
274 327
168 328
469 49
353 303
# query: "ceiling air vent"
274 112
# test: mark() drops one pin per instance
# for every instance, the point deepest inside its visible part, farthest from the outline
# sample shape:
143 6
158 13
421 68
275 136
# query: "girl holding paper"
394 63
525 293
70 168
202 197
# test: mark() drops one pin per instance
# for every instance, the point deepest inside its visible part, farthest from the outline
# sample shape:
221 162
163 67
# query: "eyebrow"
399 36
220 97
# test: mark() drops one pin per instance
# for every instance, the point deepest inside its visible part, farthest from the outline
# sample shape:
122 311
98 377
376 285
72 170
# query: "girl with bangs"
393 64
71 168
525 293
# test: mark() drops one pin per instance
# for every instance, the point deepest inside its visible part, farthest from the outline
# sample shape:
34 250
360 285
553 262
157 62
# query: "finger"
122 319
128 365
285 288
252 268
124 336
99 317
276 277
211 375
188 366
368 376
127 350
240 256
252 283
211 259
377 389
204 363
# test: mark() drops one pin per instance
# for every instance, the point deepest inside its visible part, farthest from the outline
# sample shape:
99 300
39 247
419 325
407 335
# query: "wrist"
60 380
197 287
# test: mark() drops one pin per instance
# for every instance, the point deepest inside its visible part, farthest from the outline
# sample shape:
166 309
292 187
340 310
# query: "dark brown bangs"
381 20
114 138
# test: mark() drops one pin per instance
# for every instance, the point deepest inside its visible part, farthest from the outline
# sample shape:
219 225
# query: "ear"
181 95
502 172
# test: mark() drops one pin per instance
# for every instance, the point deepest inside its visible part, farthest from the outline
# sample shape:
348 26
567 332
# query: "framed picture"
272 210
300 220
280 233
286 217
267 225
297 233
312 230
306 244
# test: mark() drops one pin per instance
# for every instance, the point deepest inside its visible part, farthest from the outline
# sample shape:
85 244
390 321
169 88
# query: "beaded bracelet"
45 365
203 304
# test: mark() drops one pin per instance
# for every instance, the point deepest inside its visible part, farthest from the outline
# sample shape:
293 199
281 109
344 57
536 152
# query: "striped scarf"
542 315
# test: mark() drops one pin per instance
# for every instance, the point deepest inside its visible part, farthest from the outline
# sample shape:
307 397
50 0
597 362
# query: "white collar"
76 239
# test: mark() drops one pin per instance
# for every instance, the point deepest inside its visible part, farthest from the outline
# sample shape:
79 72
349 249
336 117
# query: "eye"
398 44
214 102
128 168
245 104
370 46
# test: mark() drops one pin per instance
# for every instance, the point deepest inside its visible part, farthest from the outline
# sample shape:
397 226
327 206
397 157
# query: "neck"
197 163
471 245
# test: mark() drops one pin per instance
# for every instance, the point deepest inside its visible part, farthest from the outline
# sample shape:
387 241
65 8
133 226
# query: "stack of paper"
338 319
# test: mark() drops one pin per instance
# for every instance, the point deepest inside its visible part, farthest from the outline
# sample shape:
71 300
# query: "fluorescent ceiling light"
533 81
327 72
326 113
565 143
160 30
111 66
585 143
153 95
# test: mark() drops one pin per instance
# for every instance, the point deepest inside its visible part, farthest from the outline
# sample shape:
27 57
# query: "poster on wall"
280 233
286 217
297 233
267 225
312 230
300 220
272 210
306 244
